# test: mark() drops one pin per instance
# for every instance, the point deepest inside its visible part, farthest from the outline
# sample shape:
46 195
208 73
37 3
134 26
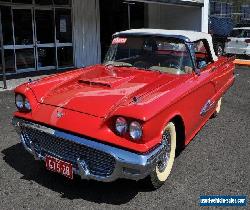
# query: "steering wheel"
141 64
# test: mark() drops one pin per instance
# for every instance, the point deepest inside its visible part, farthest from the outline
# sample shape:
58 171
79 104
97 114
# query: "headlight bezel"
127 131
22 103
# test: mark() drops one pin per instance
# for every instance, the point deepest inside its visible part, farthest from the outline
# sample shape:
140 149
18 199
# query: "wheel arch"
180 132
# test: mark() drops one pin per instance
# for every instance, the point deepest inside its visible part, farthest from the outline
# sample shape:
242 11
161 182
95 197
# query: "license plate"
59 166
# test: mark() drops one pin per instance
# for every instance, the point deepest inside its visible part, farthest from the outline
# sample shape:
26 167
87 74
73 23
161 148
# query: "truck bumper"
118 163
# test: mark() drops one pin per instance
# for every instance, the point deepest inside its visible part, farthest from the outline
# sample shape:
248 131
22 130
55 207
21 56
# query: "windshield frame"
183 40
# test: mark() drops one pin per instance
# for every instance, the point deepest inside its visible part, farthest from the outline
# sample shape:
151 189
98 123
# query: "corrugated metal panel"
86 32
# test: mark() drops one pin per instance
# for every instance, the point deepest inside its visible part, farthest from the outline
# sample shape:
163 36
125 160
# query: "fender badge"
59 114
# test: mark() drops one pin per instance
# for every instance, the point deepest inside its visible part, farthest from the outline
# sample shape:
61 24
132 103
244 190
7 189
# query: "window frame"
208 52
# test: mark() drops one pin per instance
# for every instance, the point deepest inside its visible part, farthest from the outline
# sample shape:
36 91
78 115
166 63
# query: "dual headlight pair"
22 103
133 128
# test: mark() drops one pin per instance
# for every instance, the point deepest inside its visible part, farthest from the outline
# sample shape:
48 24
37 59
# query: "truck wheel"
164 166
218 107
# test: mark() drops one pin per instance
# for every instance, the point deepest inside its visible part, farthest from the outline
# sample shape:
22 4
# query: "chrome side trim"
208 106
140 165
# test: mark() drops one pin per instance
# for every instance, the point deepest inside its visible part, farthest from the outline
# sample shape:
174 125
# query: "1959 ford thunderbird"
127 117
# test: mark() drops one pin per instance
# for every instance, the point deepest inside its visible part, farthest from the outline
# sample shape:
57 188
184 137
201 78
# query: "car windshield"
150 53
240 33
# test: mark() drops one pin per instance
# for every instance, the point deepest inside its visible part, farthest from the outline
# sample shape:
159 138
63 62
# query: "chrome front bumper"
128 165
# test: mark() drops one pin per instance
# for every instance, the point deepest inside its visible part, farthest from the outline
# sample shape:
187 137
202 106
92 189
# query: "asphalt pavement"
217 161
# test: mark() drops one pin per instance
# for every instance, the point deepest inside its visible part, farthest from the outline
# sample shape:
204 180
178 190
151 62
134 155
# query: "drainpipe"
2 54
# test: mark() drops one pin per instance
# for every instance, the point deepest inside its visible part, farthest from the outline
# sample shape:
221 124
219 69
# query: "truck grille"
99 163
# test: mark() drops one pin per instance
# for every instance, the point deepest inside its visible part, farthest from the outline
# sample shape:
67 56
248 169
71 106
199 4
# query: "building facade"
237 10
41 35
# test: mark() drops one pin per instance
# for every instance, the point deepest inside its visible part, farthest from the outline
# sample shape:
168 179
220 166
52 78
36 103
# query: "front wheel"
165 164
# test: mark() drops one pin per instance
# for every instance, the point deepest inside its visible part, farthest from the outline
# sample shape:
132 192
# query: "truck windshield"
240 33
150 53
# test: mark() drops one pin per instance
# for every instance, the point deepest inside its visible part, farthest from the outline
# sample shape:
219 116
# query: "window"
9 61
63 26
202 53
153 53
7 25
23 26
37 35
65 57
45 26
46 56
25 58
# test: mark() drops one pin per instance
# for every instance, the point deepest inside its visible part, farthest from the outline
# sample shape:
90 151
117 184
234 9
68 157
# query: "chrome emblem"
59 114
209 104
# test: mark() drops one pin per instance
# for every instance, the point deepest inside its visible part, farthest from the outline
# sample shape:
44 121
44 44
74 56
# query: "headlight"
121 125
27 104
22 103
135 130
19 101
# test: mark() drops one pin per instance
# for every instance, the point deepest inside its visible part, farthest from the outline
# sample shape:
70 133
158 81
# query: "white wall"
174 17
86 32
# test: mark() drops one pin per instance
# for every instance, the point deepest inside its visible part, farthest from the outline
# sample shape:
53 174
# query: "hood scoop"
107 81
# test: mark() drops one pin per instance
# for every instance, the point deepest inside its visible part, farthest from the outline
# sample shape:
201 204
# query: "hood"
97 90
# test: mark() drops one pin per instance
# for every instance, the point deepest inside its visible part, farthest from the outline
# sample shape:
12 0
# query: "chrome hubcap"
163 162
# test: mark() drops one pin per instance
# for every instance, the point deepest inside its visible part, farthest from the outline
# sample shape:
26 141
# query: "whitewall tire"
164 167
218 108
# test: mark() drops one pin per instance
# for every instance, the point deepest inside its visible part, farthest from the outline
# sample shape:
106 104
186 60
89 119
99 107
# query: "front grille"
99 163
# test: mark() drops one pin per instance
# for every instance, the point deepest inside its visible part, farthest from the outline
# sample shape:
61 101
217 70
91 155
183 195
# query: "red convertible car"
127 117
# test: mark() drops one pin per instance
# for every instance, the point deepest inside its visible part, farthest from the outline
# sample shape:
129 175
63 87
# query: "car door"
204 86
222 75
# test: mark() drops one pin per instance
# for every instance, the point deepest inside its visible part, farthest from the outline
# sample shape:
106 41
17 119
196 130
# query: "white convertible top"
188 36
